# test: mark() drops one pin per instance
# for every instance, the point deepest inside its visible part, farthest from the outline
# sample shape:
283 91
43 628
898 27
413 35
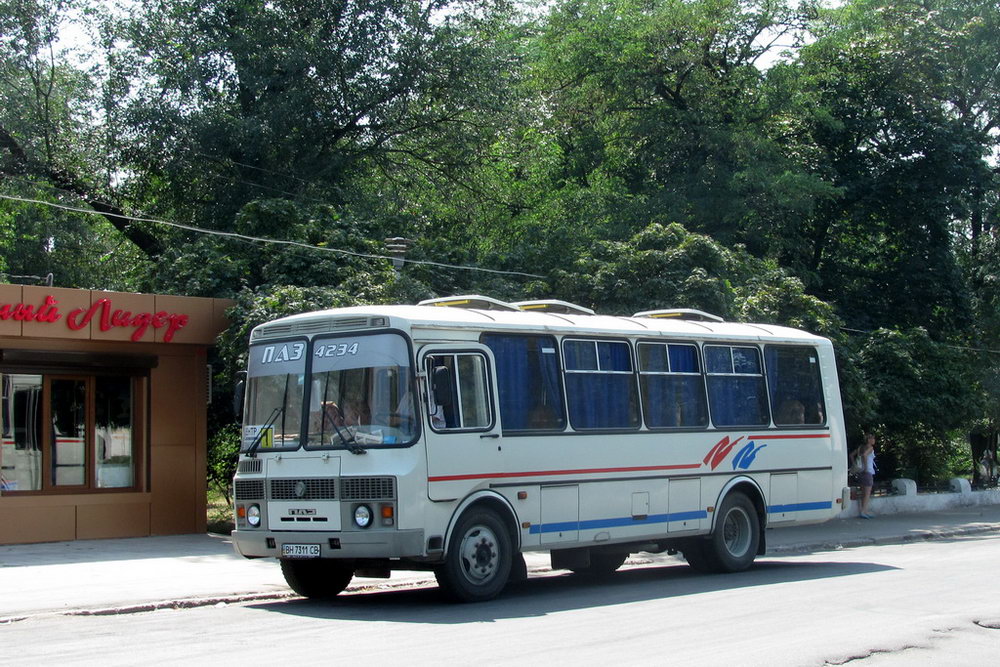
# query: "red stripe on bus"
789 437
541 473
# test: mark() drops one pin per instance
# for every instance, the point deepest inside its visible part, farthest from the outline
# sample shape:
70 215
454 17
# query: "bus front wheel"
319 579
733 544
478 562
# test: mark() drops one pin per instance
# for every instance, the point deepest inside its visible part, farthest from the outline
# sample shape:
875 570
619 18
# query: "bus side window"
600 384
673 388
736 393
459 397
528 381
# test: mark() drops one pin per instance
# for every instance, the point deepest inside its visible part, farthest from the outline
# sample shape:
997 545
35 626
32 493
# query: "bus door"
463 425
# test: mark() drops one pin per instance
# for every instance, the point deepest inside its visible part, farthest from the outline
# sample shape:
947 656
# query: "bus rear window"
795 385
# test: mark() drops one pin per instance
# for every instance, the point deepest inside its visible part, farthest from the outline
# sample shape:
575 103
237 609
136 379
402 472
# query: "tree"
47 133
235 102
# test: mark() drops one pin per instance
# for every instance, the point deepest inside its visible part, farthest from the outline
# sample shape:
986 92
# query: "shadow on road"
547 594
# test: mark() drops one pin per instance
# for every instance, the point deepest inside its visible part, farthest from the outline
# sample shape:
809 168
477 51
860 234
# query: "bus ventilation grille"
368 488
316 326
248 489
250 466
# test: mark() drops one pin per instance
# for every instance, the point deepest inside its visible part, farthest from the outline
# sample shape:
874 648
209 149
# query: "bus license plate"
300 551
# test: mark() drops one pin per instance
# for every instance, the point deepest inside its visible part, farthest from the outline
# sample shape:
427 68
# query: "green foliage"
223 454
923 392
635 154
659 267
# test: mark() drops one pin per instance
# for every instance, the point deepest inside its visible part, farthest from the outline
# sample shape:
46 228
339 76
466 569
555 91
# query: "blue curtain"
510 353
604 399
674 401
528 381
737 401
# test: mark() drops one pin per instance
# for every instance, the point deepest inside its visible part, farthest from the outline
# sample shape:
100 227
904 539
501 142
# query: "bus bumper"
368 544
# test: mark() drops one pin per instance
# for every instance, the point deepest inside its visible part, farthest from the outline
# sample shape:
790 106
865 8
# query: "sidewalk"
142 574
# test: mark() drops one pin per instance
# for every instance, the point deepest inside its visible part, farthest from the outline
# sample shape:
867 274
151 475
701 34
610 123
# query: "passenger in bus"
542 417
402 417
328 419
791 412
356 413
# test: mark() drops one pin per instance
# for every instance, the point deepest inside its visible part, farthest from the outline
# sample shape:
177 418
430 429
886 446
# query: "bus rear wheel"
732 546
478 562
319 579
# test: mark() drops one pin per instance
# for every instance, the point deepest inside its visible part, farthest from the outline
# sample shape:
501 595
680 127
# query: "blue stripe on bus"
799 507
615 522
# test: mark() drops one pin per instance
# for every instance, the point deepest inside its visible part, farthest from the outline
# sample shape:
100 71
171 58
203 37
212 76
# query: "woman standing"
867 475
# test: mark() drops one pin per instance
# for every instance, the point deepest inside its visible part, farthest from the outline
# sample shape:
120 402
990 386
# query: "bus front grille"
248 489
304 489
368 488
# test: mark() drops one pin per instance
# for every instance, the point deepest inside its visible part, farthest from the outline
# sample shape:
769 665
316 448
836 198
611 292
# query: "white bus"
456 434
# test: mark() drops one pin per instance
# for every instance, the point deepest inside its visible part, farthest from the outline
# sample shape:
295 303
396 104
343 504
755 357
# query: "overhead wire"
257 239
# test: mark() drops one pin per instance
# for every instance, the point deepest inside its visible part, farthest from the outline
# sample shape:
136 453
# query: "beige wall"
172 501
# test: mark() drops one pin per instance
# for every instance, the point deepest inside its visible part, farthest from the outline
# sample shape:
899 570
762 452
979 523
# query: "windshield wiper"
268 425
351 442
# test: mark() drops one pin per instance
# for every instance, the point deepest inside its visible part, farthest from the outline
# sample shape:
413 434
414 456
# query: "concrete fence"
906 499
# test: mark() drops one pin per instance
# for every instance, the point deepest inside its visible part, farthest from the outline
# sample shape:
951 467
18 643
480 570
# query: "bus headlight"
363 516
253 515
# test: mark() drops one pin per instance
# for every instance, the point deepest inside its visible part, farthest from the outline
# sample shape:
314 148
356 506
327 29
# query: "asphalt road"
920 603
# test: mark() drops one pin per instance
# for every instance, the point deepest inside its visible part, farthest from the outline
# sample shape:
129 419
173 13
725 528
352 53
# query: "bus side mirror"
239 393
441 385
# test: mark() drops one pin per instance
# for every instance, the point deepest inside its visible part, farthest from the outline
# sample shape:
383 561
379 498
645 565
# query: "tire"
733 544
321 579
697 556
602 564
478 562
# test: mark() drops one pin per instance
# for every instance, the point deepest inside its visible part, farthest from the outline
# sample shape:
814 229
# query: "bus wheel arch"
753 492
481 550
737 535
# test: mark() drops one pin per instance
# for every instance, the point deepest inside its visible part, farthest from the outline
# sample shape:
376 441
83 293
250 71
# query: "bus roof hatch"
553 306
681 314
470 301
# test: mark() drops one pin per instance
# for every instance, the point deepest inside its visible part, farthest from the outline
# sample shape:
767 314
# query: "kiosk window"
63 433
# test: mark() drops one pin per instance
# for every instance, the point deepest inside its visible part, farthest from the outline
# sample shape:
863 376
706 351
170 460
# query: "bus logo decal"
745 457
721 450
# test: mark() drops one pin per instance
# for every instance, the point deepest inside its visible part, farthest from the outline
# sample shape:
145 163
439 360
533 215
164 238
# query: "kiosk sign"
102 311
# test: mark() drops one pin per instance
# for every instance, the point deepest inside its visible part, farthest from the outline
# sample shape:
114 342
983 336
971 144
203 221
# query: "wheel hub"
479 554
736 532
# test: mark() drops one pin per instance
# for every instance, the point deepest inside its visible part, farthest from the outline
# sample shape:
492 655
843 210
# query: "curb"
916 536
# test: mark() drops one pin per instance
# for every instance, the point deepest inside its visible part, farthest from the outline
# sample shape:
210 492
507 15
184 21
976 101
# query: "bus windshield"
275 384
360 392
